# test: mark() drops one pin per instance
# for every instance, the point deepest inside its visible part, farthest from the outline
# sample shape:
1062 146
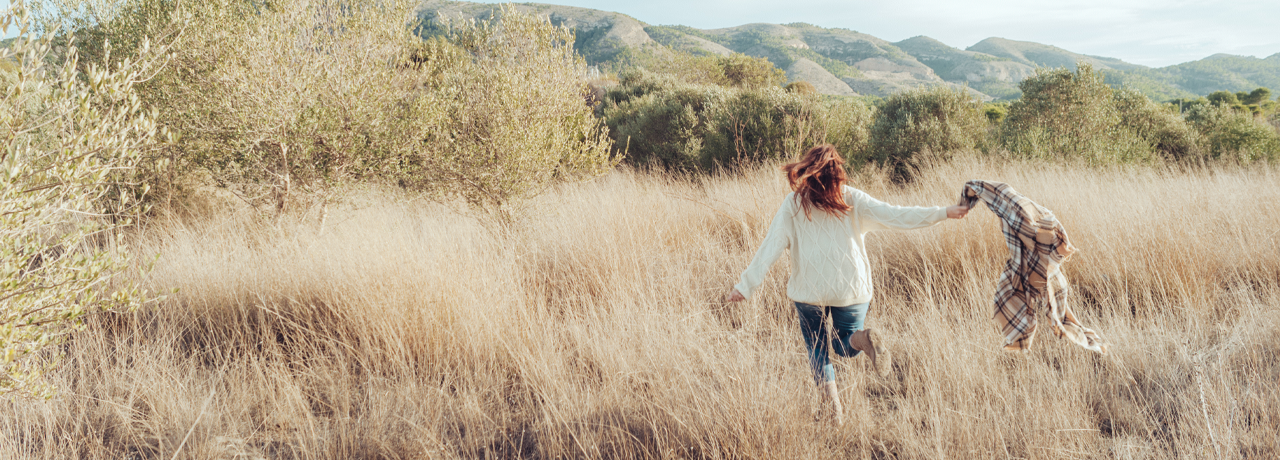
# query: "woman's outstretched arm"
878 215
777 240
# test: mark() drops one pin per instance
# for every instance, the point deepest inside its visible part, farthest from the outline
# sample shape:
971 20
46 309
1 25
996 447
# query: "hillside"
993 75
845 62
1225 72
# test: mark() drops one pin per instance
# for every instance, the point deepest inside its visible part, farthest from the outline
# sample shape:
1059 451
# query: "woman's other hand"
954 212
735 296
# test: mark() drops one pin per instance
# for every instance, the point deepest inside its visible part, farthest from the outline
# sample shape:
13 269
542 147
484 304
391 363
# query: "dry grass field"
595 328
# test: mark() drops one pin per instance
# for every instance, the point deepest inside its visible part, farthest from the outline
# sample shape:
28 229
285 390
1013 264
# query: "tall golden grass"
595 328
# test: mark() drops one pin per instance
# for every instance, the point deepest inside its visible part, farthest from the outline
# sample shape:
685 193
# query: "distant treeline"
685 111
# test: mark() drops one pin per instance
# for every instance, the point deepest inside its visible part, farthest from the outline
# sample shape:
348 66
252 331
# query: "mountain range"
845 62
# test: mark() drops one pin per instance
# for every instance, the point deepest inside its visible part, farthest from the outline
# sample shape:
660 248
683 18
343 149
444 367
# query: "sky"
1154 33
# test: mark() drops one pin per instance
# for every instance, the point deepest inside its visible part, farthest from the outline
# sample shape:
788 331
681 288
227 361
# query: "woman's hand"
735 296
956 212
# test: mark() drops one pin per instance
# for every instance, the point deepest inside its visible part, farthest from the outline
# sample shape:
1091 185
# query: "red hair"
817 180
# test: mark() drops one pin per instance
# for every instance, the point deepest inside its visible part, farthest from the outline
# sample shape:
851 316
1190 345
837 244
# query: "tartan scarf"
1032 278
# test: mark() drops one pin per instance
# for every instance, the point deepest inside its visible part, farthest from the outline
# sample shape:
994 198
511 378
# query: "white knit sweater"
828 254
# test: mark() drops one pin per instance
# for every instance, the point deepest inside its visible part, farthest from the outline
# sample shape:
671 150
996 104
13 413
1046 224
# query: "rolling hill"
845 62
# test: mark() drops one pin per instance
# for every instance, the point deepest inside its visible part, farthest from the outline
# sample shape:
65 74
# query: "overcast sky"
1156 33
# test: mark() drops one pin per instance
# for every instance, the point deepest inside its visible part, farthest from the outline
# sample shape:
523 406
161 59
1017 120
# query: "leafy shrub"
758 125
803 88
1231 135
995 113
74 138
937 120
1257 96
1227 99
751 72
846 124
1071 115
663 121
280 102
736 70
289 101
1160 126
509 119
659 120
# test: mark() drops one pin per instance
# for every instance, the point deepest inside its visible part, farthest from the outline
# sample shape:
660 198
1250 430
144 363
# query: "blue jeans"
845 321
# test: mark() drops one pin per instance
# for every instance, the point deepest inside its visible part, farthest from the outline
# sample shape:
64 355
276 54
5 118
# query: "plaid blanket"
1032 279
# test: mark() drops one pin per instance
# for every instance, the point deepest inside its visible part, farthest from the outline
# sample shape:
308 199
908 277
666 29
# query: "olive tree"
506 118
1075 116
71 142
937 120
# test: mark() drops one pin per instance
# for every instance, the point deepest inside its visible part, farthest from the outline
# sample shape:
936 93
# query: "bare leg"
833 394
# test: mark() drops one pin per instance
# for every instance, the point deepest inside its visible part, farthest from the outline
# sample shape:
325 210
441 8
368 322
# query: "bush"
1074 116
937 120
735 70
659 120
995 112
1224 98
279 103
803 88
1160 126
846 124
665 122
509 119
751 72
1231 135
771 125
1257 96
285 103
66 174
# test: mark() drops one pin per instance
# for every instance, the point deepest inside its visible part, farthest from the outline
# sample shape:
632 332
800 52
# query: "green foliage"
688 67
1149 82
1159 126
751 72
737 69
1233 135
1076 116
1185 104
801 87
1224 98
1256 97
837 67
678 38
663 121
507 120
758 125
660 121
1071 115
284 102
760 43
66 170
938 120
995 112
287 102
596 46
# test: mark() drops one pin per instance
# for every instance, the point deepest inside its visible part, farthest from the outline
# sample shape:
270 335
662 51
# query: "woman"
823 222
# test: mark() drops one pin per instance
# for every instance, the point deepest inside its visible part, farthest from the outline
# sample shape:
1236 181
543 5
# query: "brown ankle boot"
868 341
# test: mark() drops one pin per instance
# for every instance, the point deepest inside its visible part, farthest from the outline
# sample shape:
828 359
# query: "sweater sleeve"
775 241
878 215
